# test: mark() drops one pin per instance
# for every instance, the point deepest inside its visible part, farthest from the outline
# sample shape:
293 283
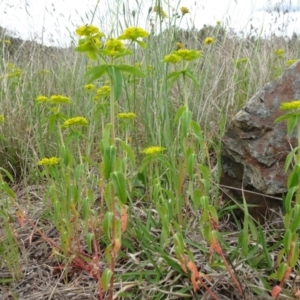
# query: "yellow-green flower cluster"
240 61
182 54
129 115
153 150
89 30
290 62
2 119
179 45
15 73
89 40
44 72
279 52
89 87
184 10
41 99
7 42
90 45
114 47
133 33
151 68
159 11
48 161
81 121
293 105
103 92
172 58
208 41
59 99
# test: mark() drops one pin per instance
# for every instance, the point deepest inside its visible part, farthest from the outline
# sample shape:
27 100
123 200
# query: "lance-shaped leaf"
96 72
132 70
119 183
116 77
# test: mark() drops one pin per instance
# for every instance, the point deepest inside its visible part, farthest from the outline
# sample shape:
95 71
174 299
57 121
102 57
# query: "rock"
254 147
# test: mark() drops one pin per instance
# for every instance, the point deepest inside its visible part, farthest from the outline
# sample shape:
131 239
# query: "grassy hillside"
110 161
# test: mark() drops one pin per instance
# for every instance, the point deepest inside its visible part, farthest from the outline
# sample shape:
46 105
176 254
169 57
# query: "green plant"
288 256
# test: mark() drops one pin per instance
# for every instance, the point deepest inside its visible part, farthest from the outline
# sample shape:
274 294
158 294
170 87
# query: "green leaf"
191 75
116 77
191 159
265 248
142 44
105 141
105 279
119 182
283 117
291 123
130 154
89 241
197 131
205 178
204 203
185 121
287 201
9 176
132 70
95 72
109 160
179 113
296 218
197 199
106 224
175 74
213 213
287 220
294 177
173 264
289 159
281 271
295 256
287 239
179 244
5 187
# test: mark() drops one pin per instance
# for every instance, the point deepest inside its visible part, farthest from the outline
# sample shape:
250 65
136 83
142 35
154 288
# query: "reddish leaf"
21 217
276 291
124 217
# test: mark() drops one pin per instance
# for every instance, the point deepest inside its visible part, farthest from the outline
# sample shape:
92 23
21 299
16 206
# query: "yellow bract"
290 62
159 11
129 115
293 105
48 161
41 99
184 10
153 150
172 58
114 44
59 99
208 41
89 30
279 52
89 87
81 121
133 33
187 54
2 119
104 91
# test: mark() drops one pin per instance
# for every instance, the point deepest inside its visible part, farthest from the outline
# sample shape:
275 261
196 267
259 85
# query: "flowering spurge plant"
109 55
117 156
289 255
